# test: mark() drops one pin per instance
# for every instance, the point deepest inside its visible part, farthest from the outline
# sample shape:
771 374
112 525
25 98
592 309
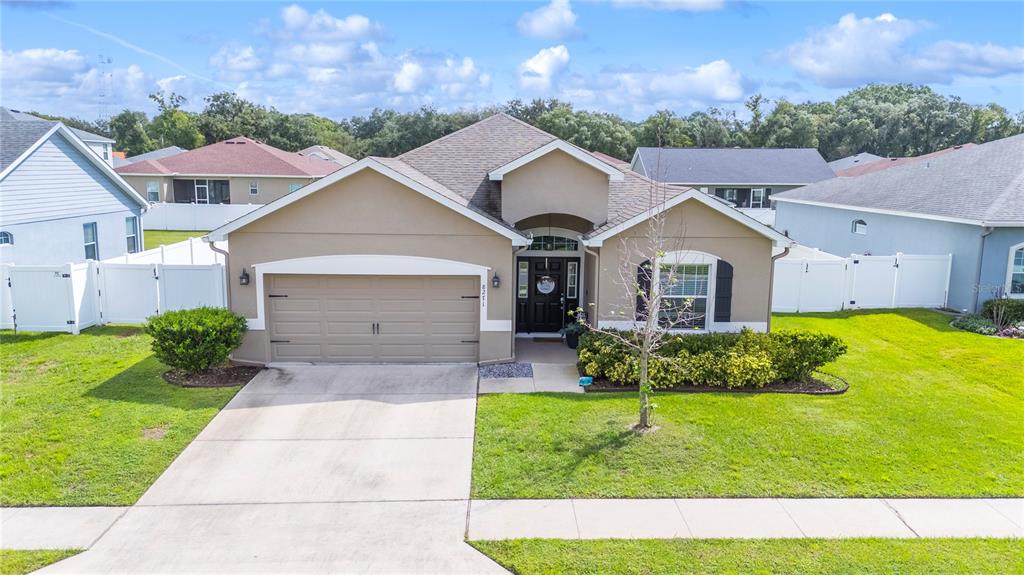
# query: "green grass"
21 562
931 411
804 556
157 238
83 417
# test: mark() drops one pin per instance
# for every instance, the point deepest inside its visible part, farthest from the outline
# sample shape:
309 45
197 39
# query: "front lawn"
804 556
21 562
931 411
88 419
157 238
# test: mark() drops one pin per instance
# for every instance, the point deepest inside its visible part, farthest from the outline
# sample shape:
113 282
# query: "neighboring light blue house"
969 203
59 201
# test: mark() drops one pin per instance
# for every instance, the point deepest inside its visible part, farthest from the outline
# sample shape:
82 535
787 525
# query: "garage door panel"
332 318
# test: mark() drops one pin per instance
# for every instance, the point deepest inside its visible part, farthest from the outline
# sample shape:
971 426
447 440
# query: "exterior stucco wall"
270 189
555 183
368 213
996 259
564 221
692 226
830 230
139 183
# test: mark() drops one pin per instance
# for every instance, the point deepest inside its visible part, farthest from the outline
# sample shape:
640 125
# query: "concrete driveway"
314 469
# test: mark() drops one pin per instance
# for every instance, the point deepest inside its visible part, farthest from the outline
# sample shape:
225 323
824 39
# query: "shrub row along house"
235 171
60 199
448 251
968 202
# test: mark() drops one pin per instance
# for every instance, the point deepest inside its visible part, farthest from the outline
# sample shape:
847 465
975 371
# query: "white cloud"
551 22
408 77
236 60
674 5
41 65
322 25
539 72
858 50
716 81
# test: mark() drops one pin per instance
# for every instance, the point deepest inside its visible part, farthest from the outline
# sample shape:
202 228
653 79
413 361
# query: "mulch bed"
224 376
822 384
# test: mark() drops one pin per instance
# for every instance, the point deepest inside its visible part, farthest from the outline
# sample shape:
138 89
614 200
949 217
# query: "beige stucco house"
450 251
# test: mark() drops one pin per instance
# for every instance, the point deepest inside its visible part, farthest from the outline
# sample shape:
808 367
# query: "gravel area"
506 370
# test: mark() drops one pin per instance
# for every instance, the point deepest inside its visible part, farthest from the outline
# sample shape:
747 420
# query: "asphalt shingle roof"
886 163
237 156
325 153
20 116
854 160
16 136
154 155
983 183
753 166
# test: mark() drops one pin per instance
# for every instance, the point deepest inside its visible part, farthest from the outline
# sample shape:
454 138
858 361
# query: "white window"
6 239
758 197
131 233
1015 282
92 247
153 191
293 187
684 295
202 191
523 289
254 188
859 227
106 151
571 282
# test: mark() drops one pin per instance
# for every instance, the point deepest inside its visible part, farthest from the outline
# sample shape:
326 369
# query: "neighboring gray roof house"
747 177
969 203
59 201
154 155
854 160
102 146
325 153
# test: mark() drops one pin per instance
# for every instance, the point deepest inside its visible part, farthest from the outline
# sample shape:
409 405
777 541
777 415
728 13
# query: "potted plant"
572 333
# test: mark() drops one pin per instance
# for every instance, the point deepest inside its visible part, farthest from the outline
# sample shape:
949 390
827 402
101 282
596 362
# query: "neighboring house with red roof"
885 163
235 171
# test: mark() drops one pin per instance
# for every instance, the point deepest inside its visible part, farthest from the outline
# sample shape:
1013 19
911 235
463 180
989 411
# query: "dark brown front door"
550 291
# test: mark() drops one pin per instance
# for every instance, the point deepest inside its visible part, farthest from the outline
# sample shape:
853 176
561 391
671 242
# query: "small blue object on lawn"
586 380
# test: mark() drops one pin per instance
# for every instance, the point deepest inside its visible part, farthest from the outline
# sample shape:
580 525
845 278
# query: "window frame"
1011 260
150 192
523 280
693 257
254 187
708 296
206 191
572 283
131 239
763 193
106 151
95 243
6 238
859 227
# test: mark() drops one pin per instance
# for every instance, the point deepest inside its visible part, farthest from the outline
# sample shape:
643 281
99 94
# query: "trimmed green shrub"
193 340
976 324
732 360
1013 310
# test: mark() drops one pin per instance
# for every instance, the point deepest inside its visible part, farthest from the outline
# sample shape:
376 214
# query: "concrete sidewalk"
55 527
744 518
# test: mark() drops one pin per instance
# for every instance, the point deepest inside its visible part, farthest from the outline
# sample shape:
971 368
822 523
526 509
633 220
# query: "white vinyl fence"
72 297
806 283
193 217
192 251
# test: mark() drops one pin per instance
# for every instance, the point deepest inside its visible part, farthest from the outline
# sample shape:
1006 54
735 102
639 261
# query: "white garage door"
373 319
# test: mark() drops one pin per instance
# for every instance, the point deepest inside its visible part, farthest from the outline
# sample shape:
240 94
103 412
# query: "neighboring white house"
102 146
59 201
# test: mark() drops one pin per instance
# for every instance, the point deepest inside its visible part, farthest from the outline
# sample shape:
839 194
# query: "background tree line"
887 120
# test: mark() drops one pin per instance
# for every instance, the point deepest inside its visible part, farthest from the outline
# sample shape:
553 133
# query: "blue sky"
630 57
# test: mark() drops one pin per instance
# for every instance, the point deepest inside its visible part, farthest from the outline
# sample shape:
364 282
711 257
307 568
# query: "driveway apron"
314 469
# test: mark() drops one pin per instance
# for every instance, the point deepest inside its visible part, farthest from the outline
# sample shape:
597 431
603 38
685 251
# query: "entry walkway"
744 518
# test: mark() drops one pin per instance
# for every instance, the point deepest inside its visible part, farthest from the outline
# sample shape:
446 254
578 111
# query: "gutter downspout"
597 280
771 284
987 231
227 268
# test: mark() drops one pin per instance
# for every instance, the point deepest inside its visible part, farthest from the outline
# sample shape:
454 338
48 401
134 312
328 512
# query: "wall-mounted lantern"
243 278
496 281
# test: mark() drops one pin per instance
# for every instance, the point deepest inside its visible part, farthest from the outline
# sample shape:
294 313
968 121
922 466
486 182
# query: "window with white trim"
6 239
572 281
523 288
758 197
859 227
254 188
1016 287
106 151
293 187
684 295
91 241
202 191
131 233
153 191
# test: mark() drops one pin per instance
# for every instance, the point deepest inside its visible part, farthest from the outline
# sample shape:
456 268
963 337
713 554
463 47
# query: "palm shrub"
193 340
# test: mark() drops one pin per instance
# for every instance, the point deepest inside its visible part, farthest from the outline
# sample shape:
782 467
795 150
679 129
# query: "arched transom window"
554 244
